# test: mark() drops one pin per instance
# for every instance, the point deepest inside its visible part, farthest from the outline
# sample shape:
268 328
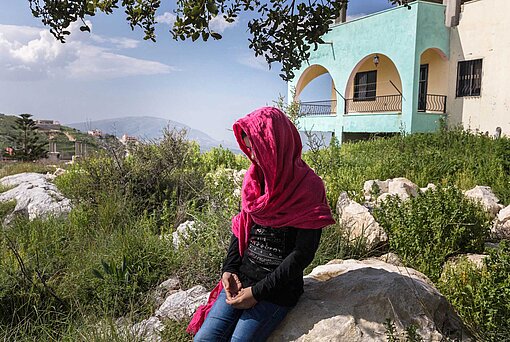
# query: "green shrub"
439 158
425 230
482 295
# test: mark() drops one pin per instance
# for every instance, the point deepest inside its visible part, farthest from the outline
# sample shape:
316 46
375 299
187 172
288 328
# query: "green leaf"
216 35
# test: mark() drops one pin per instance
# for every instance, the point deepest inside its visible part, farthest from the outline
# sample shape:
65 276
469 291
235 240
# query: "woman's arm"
229 278
233 259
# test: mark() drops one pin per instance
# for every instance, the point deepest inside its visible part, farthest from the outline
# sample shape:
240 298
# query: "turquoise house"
389 74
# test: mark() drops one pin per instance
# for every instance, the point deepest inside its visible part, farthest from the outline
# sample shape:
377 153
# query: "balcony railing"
432 103
377 104
315 108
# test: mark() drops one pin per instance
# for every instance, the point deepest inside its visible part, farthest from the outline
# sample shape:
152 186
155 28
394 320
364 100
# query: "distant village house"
126 139
96 133
47 125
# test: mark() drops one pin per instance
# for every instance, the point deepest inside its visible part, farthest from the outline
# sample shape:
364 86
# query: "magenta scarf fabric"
293 196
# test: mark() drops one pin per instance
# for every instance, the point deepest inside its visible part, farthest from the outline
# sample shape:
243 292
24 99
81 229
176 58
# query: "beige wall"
386 71
438 72
483 32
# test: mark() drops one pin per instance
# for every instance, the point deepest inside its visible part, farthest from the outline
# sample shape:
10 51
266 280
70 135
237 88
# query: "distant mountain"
150 128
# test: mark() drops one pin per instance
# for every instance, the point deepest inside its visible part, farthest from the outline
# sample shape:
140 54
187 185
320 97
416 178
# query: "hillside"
149 128
64 145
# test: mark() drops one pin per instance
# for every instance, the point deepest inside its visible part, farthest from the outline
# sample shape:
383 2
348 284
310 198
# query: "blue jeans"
225 323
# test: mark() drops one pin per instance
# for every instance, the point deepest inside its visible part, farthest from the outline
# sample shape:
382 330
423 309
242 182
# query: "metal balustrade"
317 108
376 104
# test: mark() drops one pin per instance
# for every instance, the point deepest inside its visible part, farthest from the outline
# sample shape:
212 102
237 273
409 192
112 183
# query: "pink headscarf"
294 196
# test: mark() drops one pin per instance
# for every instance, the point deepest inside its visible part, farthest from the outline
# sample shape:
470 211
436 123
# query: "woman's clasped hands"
237 296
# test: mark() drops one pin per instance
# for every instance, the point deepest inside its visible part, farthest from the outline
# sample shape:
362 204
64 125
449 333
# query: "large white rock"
35 195
374 187
403 188
165 289
359 222
148 330
182 233
349 300
486 197
182 304
380 190
501 227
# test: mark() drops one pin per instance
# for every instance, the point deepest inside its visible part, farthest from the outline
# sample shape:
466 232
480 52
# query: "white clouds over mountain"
29 53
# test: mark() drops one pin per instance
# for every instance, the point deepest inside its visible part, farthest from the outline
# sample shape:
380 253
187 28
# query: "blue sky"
113 72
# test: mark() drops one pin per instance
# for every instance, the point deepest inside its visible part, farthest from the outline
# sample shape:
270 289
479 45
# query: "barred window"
469 78
365 86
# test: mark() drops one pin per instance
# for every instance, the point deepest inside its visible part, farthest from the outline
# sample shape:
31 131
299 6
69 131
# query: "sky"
112 72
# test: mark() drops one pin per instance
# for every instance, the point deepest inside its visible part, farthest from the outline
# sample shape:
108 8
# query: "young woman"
275 235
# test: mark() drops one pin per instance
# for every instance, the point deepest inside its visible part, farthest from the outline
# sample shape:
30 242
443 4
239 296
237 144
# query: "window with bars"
365 86
469 78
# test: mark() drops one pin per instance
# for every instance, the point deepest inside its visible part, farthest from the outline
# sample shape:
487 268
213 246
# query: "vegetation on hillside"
72 278
64 137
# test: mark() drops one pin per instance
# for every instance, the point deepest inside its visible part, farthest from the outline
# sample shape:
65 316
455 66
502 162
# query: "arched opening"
433 81
316 93
374 86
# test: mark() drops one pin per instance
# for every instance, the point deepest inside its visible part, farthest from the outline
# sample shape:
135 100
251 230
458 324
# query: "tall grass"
447 157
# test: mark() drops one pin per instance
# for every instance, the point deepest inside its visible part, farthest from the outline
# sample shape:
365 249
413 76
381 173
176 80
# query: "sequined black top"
274 261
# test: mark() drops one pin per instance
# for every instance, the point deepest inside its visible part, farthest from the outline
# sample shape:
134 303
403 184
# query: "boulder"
35 195
182 304
374 187
501 227
147 330
179 305
377 190
165 289
182 233
486 197
429 186
403 188
359 222
391 258
349 300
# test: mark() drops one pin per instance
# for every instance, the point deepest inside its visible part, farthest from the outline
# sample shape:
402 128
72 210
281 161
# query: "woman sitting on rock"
275 235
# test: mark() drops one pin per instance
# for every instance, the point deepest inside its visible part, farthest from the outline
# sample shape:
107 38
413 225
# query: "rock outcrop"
501 227
35 196
178 305
380 190
359 222
486 197
350 300
182 233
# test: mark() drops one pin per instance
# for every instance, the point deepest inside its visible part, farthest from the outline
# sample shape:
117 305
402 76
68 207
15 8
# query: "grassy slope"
63 143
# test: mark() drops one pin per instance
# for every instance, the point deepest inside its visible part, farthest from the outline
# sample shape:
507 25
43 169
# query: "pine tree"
26 143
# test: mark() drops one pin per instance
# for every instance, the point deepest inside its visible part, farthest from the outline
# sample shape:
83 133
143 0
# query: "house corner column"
410 85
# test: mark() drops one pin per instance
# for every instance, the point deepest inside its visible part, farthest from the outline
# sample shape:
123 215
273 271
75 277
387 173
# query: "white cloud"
29 53
217 24
166 18
356 16
117 42
258 63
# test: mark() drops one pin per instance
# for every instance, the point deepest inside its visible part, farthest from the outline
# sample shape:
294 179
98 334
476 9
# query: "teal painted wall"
399 33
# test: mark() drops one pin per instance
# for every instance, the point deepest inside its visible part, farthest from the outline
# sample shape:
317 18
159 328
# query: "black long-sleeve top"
273 262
